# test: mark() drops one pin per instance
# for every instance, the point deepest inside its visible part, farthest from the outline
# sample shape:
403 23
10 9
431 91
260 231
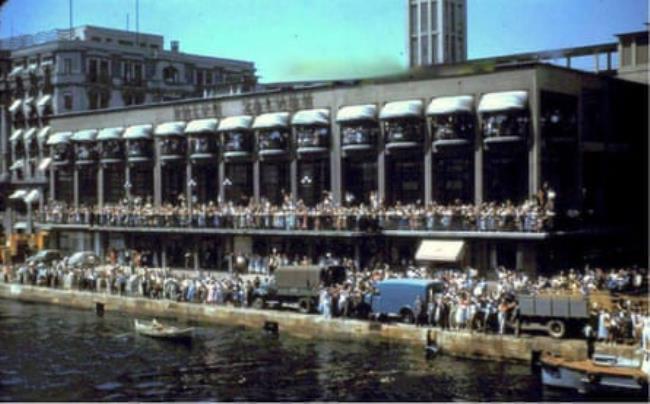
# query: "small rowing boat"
158 330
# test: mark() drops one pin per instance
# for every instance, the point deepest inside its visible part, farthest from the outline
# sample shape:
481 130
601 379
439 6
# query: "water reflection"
53 353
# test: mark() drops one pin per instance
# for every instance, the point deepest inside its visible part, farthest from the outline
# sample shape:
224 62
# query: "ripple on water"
11 381
108 386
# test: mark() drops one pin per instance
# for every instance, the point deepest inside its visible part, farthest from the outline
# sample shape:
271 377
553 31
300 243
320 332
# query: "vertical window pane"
434 48
424 14
434 16
413 21
414 51
424 49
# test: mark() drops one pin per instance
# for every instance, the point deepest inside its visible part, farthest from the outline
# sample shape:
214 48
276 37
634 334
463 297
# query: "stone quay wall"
457 343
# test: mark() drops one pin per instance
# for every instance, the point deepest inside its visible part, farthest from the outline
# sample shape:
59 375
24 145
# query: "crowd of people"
533 215
468 301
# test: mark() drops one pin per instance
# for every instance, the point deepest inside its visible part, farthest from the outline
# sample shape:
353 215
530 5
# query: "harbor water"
52 353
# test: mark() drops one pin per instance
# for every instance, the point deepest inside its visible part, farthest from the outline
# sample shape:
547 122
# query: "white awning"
311 117
272 120
16 136
86 135
33 196
502 101
201 126
440 250
402 109
450 105
43 134
16 71
357 113
32 68
44 100
18 194
110 133
29 135
15 105
138 132
241 122
59 138
17 165
20 226
170 129
28 104
45 164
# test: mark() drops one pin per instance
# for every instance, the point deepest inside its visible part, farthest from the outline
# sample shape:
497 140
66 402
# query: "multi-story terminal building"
92 68
405 159
437 31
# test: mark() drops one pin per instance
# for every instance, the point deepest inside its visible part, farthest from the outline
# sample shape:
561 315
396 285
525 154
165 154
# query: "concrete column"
52 181
293 174
195 255
494 262
335 160
256 180
157 175
527 258
100 186
381 165
428 163
98 244
596 62
222 176
163 255
75 186
534 152
127 178
189 191
478 164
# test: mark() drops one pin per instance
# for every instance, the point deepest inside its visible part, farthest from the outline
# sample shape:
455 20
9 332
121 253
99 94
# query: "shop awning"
28 104
502 101
20 226
59 138
440 250
357 113
401 109
16 135
45 163
176 128
32 68
201 126
18 194
110 133
43 102
138 132
17 165
241 122
29 135
33 196
451 105
43 134
85 135
311 117
13 108
271 120
16 71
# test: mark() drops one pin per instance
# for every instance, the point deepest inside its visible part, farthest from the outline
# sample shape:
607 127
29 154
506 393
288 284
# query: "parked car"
298 285
84 259
46 257
395 298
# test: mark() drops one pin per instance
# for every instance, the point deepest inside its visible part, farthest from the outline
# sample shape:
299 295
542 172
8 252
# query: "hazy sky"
312 39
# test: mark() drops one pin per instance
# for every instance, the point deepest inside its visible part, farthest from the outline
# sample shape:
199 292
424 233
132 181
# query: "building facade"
93 68
437 31
493 135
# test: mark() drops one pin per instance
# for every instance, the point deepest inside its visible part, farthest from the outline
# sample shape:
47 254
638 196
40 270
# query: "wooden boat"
602 374
158 330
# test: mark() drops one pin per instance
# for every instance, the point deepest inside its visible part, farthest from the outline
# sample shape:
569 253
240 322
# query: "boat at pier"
602 374
156 329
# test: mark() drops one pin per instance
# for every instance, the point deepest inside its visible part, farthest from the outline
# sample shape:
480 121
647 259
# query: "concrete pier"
461 344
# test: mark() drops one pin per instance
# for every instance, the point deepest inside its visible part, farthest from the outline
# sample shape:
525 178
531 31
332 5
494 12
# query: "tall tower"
437 31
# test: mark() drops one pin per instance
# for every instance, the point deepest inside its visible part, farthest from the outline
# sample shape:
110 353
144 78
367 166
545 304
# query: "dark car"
46 257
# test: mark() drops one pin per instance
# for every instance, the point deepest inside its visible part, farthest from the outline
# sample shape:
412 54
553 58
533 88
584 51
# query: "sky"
328 39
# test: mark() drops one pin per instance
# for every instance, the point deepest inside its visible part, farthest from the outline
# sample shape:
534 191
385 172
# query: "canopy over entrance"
440 251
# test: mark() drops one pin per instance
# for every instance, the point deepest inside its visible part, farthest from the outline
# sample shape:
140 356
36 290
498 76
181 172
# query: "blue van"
396 297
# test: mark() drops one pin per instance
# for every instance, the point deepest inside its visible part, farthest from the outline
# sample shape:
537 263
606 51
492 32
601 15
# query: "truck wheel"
407 316
556 328
259 303
305 306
